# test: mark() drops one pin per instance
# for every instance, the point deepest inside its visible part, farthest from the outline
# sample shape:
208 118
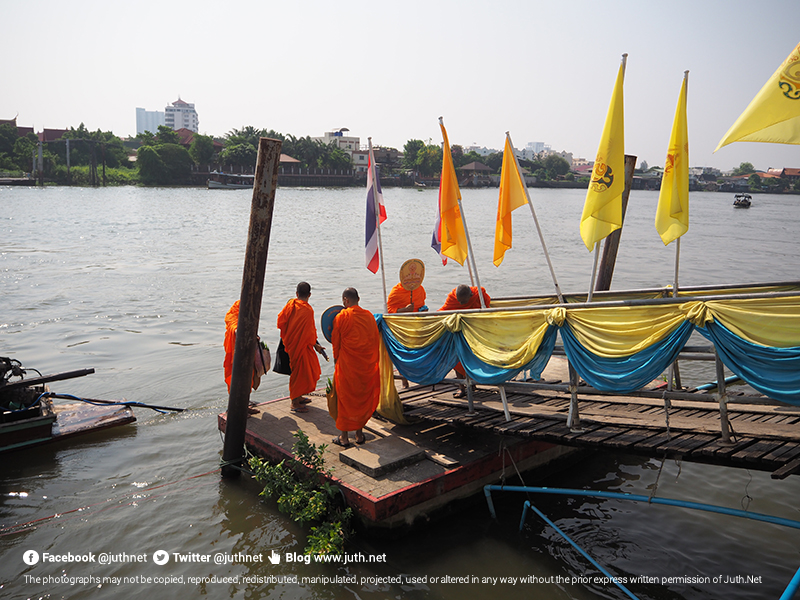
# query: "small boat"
29 417
230 181
742 201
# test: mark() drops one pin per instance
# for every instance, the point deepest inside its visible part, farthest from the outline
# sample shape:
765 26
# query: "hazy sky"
543 70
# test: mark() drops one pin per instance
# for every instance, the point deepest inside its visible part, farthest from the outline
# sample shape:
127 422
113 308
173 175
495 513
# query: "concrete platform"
382 456
450 461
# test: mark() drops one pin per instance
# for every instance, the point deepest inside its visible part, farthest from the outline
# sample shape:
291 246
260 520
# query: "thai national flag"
373 191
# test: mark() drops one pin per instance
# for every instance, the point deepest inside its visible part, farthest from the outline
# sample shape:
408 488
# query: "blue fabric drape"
431 363
775 372
629 373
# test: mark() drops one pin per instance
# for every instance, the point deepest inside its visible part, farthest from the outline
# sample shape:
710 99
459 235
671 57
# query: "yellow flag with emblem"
512 196
602 211
773 116
454 237
672 214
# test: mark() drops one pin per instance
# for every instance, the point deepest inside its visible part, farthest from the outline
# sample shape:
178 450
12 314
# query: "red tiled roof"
51 135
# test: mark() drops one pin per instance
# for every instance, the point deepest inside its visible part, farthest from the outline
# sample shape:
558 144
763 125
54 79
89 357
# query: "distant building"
480 150
338 139
148 120
181 115
21 131
51 135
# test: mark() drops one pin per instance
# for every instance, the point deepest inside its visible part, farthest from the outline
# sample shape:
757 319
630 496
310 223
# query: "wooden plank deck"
765 437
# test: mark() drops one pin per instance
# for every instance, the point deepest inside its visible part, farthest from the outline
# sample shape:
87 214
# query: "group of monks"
356 349
463 297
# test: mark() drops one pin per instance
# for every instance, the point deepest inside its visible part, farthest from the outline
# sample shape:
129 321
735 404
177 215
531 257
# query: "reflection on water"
136 282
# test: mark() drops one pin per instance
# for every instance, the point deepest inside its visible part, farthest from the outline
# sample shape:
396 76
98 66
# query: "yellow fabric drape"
773 322
389 406
510 339
616 332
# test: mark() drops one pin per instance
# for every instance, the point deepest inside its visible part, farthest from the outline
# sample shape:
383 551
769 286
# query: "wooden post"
104 165
255 265
40 166
611 245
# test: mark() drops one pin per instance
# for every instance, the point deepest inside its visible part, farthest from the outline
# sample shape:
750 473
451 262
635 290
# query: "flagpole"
469 243
536 221
471 255
594 271
597 244
378 222
678 245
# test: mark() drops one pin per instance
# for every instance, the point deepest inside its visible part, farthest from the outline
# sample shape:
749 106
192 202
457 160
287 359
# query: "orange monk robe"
452 303
400 297
299 334
231 323
357 377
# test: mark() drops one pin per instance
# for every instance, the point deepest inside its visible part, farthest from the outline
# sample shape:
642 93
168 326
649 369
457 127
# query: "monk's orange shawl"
299 334
231 323
400 297
357 375
452 303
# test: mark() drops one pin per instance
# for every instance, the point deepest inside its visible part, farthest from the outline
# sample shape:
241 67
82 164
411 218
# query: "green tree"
167 135
164 164
429 161
410 151
202 149
555 165
152 170
241 155
754 182
744 168
24 148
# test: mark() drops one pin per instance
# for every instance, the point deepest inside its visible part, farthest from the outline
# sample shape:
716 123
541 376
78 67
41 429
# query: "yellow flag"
602 211
512 195
672 214
774 114
454 238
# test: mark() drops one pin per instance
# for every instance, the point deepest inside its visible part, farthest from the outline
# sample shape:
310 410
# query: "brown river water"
135 283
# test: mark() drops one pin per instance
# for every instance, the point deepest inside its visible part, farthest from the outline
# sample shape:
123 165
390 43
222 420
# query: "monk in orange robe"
231 324
356 351
402 300
462 298
299 335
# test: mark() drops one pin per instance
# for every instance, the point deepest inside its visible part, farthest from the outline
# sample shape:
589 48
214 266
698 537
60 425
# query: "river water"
135 283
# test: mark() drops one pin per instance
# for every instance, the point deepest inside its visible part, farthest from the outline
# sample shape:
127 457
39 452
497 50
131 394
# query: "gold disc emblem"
602 177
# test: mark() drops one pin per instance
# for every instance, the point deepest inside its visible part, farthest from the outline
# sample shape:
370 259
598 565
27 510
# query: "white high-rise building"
148 120
181 115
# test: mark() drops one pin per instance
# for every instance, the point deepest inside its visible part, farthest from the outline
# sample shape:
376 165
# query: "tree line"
426 159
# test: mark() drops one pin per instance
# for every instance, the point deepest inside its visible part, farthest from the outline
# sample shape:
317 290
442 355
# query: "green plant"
301 492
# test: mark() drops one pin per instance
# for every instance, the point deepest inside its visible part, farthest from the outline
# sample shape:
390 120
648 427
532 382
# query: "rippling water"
135 283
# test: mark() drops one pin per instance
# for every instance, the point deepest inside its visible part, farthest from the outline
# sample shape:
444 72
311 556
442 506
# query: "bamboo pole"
255 263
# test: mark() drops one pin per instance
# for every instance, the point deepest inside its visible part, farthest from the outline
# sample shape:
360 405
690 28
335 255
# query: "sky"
542 70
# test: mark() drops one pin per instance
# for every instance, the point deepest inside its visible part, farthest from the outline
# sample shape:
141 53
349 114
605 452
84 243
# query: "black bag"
282 364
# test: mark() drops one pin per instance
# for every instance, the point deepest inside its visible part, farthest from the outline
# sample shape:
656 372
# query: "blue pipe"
788 593
791 589
639 498
713 384
574 545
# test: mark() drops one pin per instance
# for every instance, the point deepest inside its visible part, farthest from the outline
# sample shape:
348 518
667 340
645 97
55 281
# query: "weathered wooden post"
255 265
611 245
